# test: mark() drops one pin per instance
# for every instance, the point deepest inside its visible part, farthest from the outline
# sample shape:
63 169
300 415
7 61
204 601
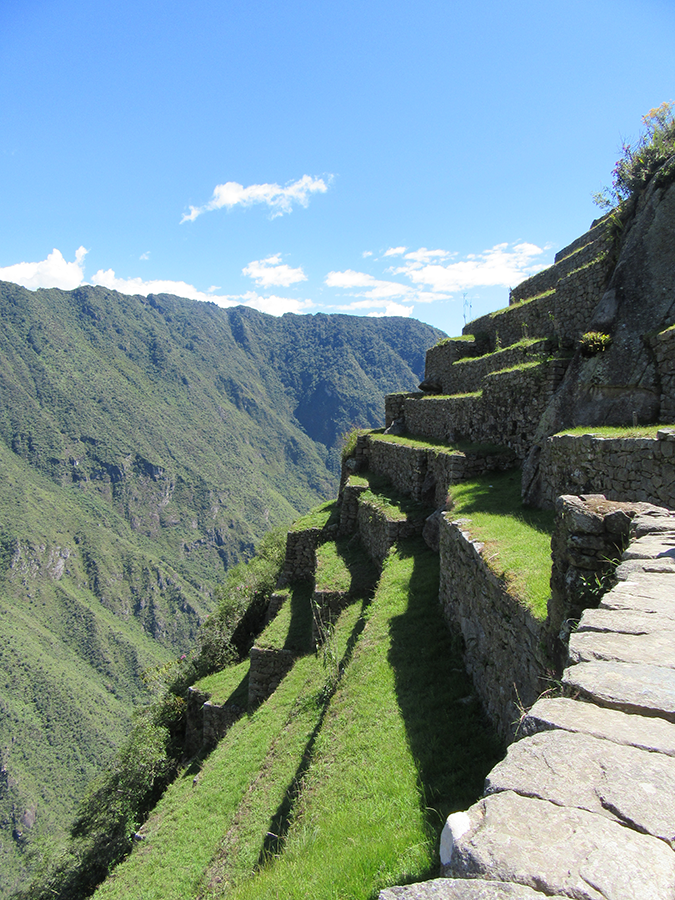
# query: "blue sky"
366 157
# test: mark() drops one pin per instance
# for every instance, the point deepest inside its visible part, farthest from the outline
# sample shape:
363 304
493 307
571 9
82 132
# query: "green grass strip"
226 686
291 628
226 811
517 539
610 431
318 517
397 753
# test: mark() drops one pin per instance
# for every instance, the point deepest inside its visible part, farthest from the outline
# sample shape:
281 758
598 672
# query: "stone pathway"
582 805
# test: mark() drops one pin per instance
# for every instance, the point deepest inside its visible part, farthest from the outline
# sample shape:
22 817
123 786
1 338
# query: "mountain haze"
145 445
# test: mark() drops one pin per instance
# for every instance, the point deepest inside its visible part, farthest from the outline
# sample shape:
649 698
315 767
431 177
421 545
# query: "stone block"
629 785
559 851
613 725
647 690
460 889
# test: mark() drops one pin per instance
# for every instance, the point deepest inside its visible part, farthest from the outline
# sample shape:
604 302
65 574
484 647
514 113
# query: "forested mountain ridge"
145 445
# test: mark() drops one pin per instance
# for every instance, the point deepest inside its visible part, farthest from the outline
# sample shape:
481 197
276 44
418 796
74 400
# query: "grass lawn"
517 539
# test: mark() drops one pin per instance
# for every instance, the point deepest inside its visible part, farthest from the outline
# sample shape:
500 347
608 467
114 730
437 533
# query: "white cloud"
272 272
145 255
395 251
379 307
48 273
376 288
367 253
501 266
273 305
279 199
425 256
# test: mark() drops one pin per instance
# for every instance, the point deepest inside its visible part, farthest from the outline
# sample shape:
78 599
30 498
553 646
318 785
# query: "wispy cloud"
367 285
395 251
48 273
503 265
271 272
279 199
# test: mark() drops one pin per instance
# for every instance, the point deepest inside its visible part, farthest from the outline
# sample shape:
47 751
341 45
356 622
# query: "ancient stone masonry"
379 530
503 641
206 722
300 559
633 469
268 667
582 805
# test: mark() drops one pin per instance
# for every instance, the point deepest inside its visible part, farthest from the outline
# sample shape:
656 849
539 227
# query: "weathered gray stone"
454 889
628 785
651 546
648 690
654 649
649 593
621 621
561 851
633 567
610 724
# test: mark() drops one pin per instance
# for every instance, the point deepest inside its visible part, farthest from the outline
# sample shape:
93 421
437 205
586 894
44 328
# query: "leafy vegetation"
638 162
329 792
146 445
594 342
517 539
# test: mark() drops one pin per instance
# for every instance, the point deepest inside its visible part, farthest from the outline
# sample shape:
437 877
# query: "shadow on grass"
452 743
498 494
299 634
281 820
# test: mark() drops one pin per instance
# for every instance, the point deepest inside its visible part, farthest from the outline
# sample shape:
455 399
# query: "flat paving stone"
630 687
648 733
623 621
558 850
634 567
462 889
630 786
656 649
651 546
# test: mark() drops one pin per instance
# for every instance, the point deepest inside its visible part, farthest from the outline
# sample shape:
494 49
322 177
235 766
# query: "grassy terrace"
430 398
517 539
319 517
519 345
229 685
608 431
388 500
338 785
418 443
344 566
291 628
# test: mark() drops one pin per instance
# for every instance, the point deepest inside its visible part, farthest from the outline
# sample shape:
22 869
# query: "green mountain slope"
145 445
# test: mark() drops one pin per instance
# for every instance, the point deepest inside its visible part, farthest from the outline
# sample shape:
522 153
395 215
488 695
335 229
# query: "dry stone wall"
467 375
631 469
206 722
300 559
268 667
503 642
379 531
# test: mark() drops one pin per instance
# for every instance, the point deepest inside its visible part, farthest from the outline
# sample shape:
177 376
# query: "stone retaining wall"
379 532
589 536
300 559
425 473
326 607
441 358
466 375
632 469
664 348
349 506
502 639
268 668
206 723
562 316
506 412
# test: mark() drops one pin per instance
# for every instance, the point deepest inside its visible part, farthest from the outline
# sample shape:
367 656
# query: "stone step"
556 850
630 687
651 734
458 889
625 784
383 521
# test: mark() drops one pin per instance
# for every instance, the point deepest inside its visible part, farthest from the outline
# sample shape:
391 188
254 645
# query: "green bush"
639 162
594 342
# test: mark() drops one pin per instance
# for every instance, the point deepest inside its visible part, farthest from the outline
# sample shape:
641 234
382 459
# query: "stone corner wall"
268 668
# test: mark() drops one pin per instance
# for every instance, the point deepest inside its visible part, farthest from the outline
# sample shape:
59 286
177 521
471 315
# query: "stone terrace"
582 804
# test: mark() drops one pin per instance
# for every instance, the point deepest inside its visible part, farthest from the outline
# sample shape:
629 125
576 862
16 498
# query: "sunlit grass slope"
339 784
517 539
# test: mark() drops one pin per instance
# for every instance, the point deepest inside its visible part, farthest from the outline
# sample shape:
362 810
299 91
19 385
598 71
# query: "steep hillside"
145 445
